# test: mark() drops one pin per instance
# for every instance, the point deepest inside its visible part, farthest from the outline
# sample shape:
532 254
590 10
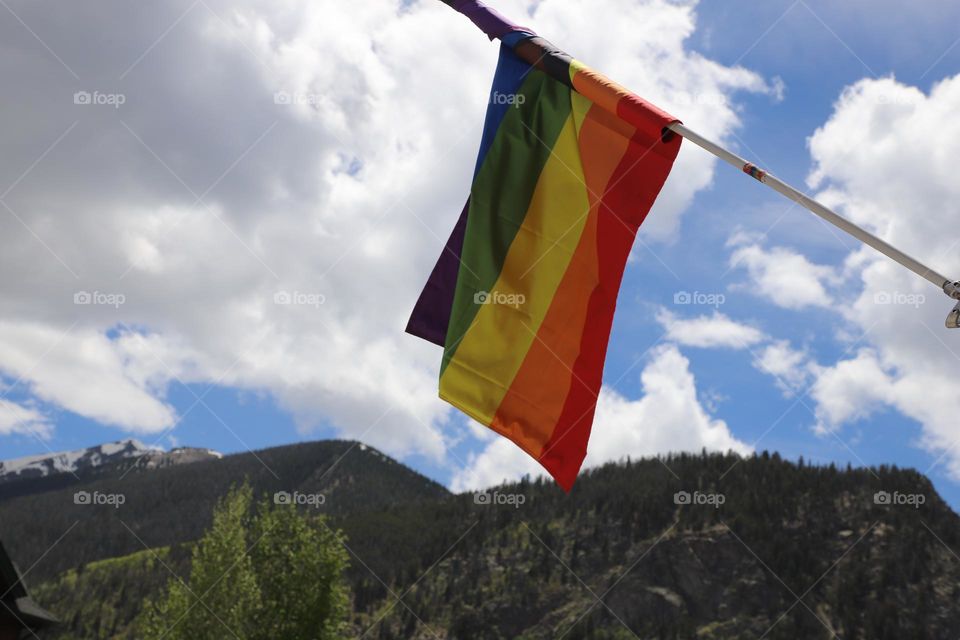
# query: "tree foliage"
257 574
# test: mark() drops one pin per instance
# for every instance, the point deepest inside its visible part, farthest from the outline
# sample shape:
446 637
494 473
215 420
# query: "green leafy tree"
299 565
256 576
223 589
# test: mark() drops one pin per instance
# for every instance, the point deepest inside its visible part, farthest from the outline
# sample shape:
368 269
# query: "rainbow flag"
523 296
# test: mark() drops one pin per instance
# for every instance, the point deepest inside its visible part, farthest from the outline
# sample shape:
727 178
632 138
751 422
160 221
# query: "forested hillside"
162 507
686 546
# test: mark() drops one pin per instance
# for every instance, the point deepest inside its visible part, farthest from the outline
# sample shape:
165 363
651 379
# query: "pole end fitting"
952 289
953 318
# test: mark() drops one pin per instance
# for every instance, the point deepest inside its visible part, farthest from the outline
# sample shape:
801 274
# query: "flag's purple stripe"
431 315
489 20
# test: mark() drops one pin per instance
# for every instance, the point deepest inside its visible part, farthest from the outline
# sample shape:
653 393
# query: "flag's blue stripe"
511 71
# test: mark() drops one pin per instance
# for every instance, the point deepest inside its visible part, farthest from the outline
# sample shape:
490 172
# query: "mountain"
42 474
119 509
710 547
71 461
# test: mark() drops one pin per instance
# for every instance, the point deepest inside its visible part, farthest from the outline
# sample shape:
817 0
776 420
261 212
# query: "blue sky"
816 61
815 49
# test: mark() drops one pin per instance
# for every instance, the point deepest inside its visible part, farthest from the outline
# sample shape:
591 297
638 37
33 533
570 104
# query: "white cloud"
705 331
15 418
500 461
668 417
85 373
200 198
851 390
791 369
877 160
787 278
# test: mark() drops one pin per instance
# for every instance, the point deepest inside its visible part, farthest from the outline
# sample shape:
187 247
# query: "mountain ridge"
710 546
70 467
42 465
171 504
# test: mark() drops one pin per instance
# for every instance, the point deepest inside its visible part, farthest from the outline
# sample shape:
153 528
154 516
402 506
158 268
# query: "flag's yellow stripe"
580 106
532 408
495 345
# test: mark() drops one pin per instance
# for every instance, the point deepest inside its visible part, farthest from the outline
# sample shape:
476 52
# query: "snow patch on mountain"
41 465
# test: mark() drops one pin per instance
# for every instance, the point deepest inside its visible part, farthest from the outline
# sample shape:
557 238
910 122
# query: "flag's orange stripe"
635 185
618 100
533 404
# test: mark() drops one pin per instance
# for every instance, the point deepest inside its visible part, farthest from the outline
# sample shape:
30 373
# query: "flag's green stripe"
502 192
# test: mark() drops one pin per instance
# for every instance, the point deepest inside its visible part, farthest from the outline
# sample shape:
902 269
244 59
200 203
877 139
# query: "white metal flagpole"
950 287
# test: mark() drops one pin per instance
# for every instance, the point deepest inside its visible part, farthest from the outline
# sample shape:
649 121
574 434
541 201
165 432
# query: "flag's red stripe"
534 402
634 187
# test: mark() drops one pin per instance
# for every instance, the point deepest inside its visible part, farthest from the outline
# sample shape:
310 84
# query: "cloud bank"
249 194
